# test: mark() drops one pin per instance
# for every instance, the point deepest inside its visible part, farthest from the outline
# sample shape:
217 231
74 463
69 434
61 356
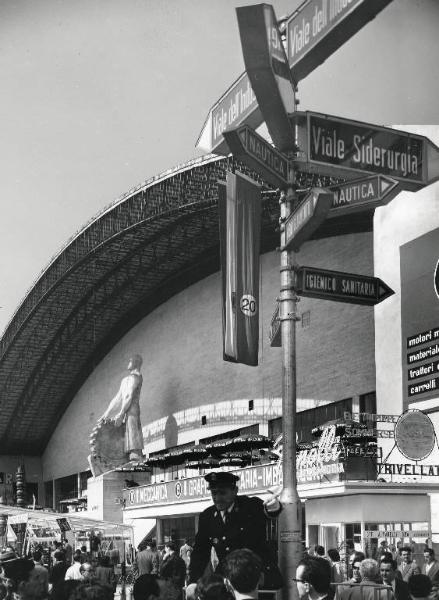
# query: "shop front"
336 511
27 529
172 507
364 516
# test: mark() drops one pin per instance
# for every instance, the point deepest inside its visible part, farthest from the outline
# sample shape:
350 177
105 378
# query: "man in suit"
368 588
388 568
243 569
408 566
313 577
233 522
173 568
431 568
148 560
420 587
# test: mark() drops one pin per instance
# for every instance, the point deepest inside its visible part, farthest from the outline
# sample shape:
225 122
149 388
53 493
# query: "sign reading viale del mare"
420 318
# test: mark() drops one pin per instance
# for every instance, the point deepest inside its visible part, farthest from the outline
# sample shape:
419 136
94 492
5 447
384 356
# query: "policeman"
233 522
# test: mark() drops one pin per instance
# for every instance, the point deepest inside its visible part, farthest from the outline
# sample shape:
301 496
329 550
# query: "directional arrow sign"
267 67
305 219
237 105
341 287
258 154
360 194
343 148
319 27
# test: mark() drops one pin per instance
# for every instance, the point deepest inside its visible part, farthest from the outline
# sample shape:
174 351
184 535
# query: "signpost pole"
290 530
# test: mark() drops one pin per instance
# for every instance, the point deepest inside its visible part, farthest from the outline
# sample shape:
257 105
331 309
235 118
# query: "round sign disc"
414 435
248 305
436 279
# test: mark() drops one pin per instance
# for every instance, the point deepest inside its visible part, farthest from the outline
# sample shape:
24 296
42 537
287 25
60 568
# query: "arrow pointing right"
363 194
432 162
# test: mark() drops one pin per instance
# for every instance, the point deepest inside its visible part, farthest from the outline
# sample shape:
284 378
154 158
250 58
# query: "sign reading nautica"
258 154
362 194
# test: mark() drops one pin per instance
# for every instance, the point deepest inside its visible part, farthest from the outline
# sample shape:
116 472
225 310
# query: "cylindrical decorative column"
3 529
20 486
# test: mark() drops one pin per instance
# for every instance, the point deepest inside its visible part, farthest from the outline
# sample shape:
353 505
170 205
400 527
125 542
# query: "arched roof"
159 238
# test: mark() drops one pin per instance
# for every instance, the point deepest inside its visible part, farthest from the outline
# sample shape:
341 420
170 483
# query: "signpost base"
290 541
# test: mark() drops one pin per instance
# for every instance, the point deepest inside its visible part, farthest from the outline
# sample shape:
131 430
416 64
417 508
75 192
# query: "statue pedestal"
104 494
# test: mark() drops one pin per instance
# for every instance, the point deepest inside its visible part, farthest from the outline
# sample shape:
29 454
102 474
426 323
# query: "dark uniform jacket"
245 528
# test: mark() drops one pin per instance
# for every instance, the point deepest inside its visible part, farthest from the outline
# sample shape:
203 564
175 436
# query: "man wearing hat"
233 522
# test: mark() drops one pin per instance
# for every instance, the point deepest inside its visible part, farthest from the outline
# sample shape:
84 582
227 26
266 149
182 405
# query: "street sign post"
267 67
318 27
362 194
237 105
316 30
344 148
258 154
341 287
306 217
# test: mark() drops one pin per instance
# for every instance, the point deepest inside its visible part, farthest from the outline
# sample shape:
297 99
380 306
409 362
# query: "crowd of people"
388 577
67 575
229 559
165 575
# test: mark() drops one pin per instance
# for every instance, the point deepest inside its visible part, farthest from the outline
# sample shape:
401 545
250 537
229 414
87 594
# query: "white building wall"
181 344
407 217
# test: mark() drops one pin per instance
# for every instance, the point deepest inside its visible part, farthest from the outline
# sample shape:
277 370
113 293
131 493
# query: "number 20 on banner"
248 305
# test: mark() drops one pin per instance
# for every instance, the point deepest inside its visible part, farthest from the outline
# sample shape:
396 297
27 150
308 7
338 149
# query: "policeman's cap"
221 479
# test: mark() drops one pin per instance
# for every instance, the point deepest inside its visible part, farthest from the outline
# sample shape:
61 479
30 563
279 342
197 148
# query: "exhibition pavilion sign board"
419 261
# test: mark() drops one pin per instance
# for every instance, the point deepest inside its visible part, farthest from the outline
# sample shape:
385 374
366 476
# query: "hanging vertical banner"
239 201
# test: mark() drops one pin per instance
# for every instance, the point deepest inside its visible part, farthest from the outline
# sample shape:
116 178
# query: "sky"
97 96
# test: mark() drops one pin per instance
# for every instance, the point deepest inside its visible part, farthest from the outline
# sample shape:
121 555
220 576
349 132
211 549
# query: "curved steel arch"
155 241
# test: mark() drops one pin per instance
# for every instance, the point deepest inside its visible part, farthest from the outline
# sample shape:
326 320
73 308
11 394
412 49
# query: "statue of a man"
125 408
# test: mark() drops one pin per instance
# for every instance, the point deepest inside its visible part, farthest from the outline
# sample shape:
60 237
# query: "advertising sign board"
420 318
